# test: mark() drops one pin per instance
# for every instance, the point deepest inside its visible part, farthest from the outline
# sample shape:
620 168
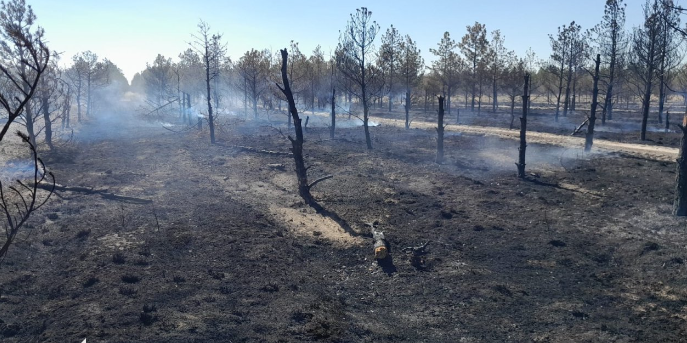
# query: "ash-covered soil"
585 250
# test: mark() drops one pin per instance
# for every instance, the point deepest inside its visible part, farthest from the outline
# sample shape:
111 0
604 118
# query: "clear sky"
131 33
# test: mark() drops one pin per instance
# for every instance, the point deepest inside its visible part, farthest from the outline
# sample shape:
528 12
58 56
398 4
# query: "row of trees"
385 70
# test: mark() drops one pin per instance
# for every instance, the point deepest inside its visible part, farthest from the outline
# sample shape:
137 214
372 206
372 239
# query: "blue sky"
131 33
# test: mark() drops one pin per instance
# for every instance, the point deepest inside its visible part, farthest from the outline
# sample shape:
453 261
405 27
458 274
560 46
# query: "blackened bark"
680 202
29 118
296 144
566 103
512 112
78 104
188 109
589 139
495 95
333 128
45 104
646 101
407 108
440 132
211 123
523 129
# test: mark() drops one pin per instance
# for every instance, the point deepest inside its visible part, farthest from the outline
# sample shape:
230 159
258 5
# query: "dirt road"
639 150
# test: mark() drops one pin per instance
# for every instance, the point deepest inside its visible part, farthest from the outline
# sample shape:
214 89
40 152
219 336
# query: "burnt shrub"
128 291
90 282
83 234
118 258
130 278
147 316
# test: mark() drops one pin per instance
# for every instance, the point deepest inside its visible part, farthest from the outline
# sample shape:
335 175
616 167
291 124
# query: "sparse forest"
362 194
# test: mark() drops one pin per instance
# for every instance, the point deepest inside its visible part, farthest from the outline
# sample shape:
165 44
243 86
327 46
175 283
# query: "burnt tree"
440 132
589 138
210 49
297 143
523 129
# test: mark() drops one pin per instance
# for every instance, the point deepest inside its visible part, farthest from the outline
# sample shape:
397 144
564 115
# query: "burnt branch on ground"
91 191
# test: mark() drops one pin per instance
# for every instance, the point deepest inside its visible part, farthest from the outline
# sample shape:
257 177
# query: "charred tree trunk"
566 103
440 132
78 104
297 143
448 99
661 97
88 97
573 102
407 108
495 95
45 104
426 100
366 106
211 122
646 101
245 97
66 109
512 112
523 129
608 103
667 121
333 128
589 139
29 118
680 202
188 109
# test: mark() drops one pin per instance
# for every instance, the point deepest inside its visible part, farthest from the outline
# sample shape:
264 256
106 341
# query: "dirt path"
639 150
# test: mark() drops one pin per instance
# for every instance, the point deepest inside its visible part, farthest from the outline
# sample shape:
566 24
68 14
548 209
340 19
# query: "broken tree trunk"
380 245
523 129
589 138
296 144
440 132
579 127
680 202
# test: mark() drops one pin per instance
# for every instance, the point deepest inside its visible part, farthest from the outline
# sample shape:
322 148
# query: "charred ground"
585 250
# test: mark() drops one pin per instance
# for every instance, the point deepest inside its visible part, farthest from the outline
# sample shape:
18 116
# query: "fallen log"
380 245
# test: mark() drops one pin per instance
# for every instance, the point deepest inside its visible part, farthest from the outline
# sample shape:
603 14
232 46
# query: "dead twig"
320 180
416 250
261 151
